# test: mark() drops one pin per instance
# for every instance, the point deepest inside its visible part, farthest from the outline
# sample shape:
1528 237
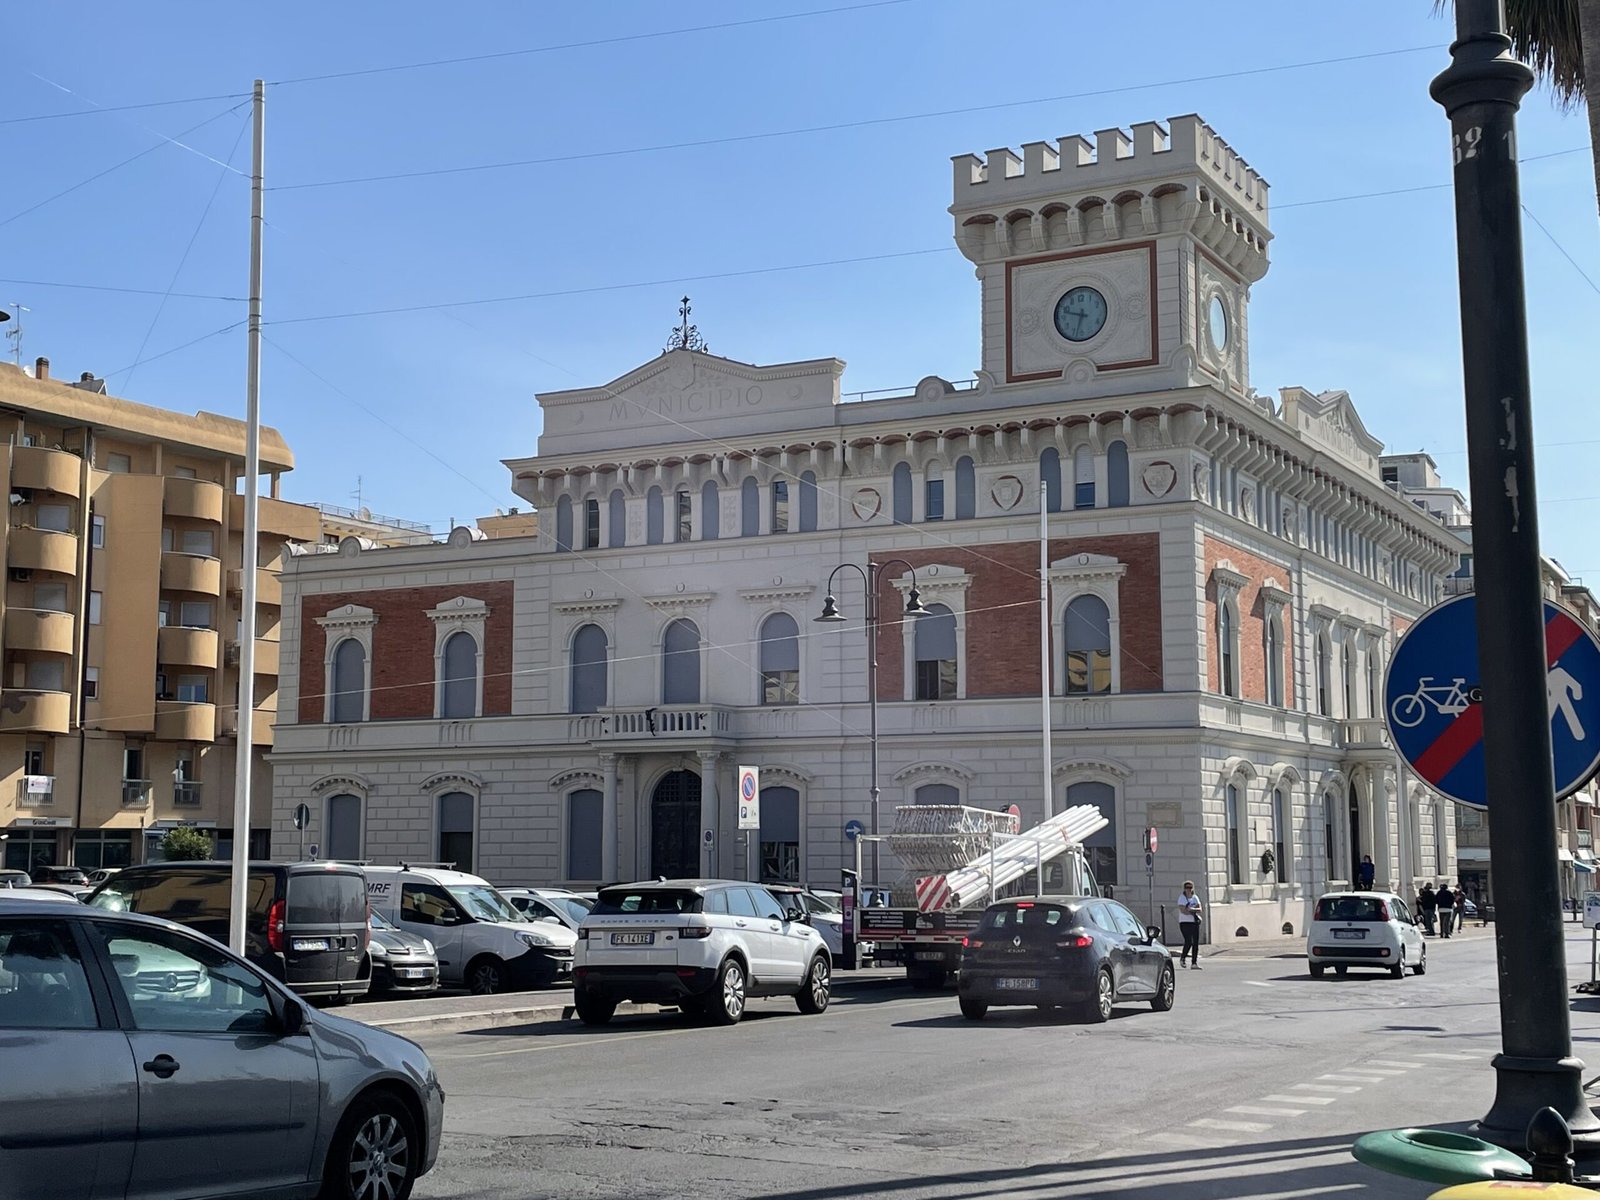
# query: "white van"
483 943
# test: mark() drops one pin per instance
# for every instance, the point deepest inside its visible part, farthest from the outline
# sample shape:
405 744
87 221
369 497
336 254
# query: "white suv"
1364 929
705 945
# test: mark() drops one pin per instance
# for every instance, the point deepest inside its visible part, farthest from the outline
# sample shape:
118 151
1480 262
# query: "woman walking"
1189 925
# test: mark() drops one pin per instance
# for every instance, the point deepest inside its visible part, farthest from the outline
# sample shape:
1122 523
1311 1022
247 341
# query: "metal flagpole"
1044 644
244 744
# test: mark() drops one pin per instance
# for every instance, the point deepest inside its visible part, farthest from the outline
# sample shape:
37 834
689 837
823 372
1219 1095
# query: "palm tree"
1560 40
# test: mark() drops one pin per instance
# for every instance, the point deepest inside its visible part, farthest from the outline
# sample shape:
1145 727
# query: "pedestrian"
1446 899
1427 905
1367 873
1189 911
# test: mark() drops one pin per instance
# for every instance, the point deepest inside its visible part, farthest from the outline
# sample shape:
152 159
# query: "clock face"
1217 321
1080 314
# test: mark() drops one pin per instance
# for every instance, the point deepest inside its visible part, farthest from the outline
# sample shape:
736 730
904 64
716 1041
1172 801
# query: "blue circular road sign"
1433 700
854 829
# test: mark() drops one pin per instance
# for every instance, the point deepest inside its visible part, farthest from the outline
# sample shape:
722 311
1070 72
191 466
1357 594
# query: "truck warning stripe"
1466 731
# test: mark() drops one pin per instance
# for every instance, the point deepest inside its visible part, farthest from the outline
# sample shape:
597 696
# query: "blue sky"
421 406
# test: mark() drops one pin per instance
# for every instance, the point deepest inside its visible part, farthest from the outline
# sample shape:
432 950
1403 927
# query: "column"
608 818
708 812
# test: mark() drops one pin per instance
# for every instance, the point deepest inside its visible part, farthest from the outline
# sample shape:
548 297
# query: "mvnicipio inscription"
704 401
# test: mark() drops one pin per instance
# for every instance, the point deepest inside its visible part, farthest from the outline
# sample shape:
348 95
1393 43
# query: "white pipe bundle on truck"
1011 859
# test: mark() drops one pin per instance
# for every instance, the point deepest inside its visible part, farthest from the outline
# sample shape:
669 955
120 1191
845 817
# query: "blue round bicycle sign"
1433 700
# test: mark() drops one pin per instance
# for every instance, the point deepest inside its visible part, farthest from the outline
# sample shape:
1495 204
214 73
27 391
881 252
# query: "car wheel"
973 1010
1422 964
1098 1010
813 995
1340 969
486 975
1166 990
1316 970
375 1153
1398 971
726 1005
593 1011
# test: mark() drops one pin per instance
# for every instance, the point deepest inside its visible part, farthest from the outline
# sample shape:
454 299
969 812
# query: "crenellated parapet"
1125 185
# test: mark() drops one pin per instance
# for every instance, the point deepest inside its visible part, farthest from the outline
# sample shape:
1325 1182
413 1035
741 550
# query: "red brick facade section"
1003 612
402 648
1252 621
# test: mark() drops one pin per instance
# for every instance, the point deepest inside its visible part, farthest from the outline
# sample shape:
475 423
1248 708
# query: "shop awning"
1563 854
1583 867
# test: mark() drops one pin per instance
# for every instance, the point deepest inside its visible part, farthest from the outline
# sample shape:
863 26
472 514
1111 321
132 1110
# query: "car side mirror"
1153 932
294 1018
793 915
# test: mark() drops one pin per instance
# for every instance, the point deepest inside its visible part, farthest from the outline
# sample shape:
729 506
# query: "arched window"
966 489
780 660
1441 860
458 676
654 519
680 663
1280 834
617 519
1087 637
1233 803
1324 666
1101 848
901 487
584 823
808 501
749 507
1374 682
710 510
1082 478
1050 472
937 793
455 830
780 506
1227 648
589 669
935 641
349 682
564 523
1349 678
683 516
780 835
933 498
1274 653
1329 852
591 524
1117 474
342 829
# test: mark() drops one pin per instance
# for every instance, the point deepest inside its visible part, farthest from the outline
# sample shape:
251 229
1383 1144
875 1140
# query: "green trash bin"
1436 1156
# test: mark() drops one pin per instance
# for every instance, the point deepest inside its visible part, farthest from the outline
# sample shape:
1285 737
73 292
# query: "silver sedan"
143 1060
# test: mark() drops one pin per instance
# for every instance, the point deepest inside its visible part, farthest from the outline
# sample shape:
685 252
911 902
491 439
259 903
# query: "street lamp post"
832 615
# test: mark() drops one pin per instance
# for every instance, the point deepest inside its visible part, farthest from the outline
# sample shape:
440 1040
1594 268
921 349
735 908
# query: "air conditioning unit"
20 574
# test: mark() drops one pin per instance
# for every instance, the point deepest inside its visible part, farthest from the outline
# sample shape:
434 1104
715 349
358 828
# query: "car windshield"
818 904
617 901
1351 908
576 906
483 903
1027 916
377 920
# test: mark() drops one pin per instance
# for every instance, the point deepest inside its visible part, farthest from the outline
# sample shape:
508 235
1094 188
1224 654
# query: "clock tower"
1116 266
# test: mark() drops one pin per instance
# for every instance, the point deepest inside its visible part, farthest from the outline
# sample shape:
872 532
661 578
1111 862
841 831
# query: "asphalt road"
1253 1086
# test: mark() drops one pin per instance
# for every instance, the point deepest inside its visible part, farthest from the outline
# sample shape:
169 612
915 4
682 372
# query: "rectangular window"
94 608
780 687
97 532
591 524
183 472
1083 495
166 540
584 825
54 517
163 613
119 463
933 508
33 759
936 679
91 683
47 676
133 761
199 541
1235 861
192 689
685 519
52 597
195 614
780 507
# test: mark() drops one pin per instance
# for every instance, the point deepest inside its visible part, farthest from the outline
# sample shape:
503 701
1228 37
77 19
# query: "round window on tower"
1217 323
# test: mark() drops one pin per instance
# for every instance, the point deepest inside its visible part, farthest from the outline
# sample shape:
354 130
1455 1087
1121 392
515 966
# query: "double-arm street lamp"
832 615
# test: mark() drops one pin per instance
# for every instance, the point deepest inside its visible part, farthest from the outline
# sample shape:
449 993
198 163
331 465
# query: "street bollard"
1550 1147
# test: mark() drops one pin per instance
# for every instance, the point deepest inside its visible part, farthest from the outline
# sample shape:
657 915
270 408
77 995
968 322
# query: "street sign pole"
1481 91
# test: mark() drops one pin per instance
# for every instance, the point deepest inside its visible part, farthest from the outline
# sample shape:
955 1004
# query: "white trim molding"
349 622
935 772
1097 575
465 615
943 584
357 784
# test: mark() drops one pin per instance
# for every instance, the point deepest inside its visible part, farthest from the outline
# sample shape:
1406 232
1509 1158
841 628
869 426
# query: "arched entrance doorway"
675 826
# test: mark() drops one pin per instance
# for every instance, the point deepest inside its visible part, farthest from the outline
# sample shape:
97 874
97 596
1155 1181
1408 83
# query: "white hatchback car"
704 945
1364 929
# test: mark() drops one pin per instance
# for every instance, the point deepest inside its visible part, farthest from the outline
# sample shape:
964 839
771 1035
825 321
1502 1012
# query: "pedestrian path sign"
1433 700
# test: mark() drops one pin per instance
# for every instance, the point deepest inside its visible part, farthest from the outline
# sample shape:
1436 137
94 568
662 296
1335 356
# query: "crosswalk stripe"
1410 1066
1301 1099
1456 1057
1191 1143
1230 1126
1380 1072
1343 1078
1257 1110
1326 1087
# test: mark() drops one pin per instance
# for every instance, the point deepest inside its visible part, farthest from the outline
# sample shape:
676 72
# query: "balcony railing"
186 794
675 724
135 793
34 791
1367 733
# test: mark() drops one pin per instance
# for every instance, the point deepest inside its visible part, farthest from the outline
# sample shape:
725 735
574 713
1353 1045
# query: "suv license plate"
311 943
633 939
1349 933
1017 985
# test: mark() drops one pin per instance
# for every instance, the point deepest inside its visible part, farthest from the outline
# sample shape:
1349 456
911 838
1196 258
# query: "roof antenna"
15 332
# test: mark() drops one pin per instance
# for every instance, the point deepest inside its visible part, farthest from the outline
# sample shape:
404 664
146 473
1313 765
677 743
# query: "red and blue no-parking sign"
1433 700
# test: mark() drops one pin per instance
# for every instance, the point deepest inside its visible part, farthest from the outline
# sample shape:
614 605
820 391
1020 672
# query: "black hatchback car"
1063 951
305 924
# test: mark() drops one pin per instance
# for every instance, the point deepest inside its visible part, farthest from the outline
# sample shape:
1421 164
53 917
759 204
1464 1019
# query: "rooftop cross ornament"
686 336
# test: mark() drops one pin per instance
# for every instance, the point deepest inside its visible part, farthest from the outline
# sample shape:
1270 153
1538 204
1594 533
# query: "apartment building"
120 619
